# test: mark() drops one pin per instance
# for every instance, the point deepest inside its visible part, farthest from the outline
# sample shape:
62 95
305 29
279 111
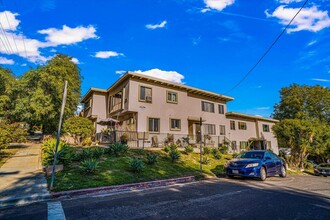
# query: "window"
242 126
209 129
243 145
145 94
154 124
172 97
265 128
268 145
233 145
207 107
222 130
175 124
232 125
221 109
88 103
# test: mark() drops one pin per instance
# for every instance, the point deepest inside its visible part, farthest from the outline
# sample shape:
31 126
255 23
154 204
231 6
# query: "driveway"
21 176
295 197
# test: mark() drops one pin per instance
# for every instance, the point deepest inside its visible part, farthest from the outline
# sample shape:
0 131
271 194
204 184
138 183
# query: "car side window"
273 156
268 155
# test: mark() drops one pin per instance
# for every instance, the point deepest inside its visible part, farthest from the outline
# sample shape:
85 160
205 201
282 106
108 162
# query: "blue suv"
256 163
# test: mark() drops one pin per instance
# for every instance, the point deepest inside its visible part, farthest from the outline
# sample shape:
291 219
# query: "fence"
146 140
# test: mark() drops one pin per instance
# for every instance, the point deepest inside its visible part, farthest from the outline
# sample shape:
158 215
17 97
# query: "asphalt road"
294 197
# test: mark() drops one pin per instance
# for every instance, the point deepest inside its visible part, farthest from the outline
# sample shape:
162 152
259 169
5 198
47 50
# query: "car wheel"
263 174
283 172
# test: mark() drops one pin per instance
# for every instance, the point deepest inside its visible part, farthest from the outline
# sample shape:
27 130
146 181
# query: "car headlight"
252 165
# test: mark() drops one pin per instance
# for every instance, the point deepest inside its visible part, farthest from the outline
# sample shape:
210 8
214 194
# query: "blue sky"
208 44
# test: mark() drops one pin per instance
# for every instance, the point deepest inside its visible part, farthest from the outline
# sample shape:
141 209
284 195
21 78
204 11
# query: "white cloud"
289 1
321 80
155 26
218 5
309 19
24 64
312 43
107 54
18 44
171 76
8 20
68 35
263 108
75 60
120 72
4 60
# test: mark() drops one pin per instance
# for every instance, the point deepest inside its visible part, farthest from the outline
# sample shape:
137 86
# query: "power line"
268 50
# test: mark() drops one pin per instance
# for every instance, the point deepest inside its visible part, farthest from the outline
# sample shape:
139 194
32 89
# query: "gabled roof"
90 92
241 115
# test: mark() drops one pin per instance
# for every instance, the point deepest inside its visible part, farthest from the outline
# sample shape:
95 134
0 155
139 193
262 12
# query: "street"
294 197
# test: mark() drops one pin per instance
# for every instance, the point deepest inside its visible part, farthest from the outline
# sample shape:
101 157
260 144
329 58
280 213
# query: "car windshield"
325 165
254 155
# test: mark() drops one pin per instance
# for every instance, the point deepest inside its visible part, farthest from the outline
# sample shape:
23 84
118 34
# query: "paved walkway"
21 176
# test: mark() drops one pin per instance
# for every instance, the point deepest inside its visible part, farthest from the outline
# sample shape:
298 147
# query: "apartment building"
157 109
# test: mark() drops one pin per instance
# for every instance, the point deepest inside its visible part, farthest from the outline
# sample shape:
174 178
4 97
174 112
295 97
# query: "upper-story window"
222 130
88 103
116 101
265 128
221 109
232 125
242 125
207 107
145 94
172 97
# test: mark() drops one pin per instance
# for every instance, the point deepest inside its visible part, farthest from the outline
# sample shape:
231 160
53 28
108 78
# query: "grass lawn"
5 154
115 170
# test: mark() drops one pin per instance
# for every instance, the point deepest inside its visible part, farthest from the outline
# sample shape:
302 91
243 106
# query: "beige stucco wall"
187 106
99 108
270 136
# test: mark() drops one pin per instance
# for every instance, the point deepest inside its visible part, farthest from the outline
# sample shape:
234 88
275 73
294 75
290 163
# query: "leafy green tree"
10 133
7 81
304 102
39 93
304 112
78 127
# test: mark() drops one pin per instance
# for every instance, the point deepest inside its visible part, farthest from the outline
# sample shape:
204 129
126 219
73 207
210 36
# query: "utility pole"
200 146
59 133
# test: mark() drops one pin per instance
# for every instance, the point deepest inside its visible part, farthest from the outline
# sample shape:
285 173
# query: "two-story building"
156 109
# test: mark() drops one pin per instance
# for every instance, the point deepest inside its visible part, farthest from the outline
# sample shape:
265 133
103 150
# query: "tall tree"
7 81
304 112
40 91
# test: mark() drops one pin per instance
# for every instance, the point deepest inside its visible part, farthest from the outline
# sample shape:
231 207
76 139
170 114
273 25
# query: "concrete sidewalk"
21 178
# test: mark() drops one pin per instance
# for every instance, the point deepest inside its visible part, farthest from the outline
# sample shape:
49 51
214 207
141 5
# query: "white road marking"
55 211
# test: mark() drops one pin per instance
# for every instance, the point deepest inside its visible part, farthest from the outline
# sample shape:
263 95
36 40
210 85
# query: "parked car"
256 163
322 169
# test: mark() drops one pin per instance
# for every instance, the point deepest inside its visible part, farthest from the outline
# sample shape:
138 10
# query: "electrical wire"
267 51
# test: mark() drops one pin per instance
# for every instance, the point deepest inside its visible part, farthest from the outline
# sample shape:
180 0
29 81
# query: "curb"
123 188
22 200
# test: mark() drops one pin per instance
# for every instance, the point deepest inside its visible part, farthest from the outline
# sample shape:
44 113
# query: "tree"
39 93
304 102
304 114
80 128
10 133
7 81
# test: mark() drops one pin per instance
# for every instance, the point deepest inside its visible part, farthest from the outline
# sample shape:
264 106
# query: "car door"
278 163
270 164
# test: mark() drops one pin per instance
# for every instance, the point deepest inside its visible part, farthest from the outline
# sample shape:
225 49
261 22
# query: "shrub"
206 150
79 128
118 148
308 165
216 153
136 165
11 133
235 155
89 165
167 148
92 152
64 154
151 159
173 147
224 149
206 160
87 141
174 155
124 138
188 149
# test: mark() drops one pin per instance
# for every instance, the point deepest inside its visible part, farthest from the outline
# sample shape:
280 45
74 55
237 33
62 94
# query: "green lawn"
115 170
